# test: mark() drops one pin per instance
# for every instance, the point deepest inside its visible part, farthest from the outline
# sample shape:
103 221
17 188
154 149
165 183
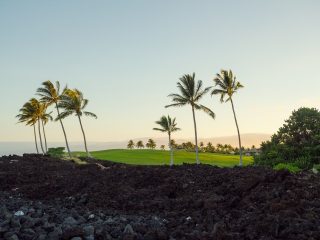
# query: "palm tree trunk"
41 145
44 136
171 151
64 132
195 135
239 138
35 137
84 137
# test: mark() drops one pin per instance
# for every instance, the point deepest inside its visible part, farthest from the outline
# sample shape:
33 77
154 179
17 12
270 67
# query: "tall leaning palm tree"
168 125
34 112
38 112
226 85
44 117
27 115
190 94
72 102
50 94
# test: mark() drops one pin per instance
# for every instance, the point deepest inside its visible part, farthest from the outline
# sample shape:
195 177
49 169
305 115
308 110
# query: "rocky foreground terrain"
46 198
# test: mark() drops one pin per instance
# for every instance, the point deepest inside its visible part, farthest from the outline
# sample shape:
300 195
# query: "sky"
127 56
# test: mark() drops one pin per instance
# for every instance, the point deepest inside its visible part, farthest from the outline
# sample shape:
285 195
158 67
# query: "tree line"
189 146
66 102
151 144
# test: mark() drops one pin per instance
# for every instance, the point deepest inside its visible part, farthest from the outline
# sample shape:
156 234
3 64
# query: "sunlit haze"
126 57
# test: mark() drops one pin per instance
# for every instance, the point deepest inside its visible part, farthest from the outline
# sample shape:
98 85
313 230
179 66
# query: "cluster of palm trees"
190 93
71 101
151 144
66 102
219 148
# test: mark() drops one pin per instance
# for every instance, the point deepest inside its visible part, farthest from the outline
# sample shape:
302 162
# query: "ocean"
249 139
18 148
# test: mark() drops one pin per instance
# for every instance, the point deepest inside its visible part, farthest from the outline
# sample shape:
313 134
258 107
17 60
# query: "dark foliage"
297 141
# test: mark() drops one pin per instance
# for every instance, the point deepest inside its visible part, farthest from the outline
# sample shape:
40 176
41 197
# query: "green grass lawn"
158 157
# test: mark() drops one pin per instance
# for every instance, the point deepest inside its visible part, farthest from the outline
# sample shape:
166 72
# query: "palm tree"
130 144
27 115
173 144
37 114
45 117
191 93
168 125
72 102
201 146
50 94
209 147
140 144
151 144
219 147
34 112
162 147
227 85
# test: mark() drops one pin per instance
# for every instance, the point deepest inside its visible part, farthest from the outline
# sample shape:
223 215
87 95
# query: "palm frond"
206 110
58 87
64 115
43 92
159 129
90 114
175 105
184 91
84 103
201 93
199 87
189 85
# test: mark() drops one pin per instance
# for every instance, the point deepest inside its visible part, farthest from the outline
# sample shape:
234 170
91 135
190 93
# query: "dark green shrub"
303 162
296 142
57 152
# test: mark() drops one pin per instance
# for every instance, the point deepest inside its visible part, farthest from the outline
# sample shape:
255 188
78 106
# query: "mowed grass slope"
158 157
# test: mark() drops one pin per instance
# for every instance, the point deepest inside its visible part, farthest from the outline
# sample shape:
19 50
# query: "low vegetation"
287 166
57 152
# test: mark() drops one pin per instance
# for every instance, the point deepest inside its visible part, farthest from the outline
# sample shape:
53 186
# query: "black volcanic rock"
102 200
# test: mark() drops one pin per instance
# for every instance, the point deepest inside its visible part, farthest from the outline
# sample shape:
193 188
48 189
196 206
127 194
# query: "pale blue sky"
126 56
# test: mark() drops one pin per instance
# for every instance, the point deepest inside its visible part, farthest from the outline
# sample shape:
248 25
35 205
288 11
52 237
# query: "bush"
303 162
270 160
287 166
57 152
